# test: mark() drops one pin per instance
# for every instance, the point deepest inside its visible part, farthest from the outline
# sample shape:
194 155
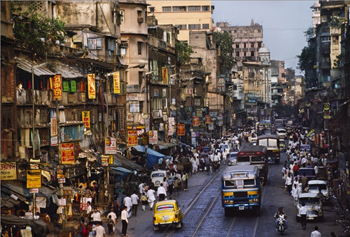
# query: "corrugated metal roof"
26 65
67 71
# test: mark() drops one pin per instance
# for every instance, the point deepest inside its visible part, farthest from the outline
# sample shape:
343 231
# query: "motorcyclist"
282 214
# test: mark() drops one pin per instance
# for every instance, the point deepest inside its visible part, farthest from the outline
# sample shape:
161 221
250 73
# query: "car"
313 204
232 159
253 140
282 144
309 172
223 146
315 185
157 177
281 133
167 212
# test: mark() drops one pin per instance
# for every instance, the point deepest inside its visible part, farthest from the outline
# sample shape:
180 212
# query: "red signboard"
195 121
67 153
86 118
181 129
207 119
57 87
132 138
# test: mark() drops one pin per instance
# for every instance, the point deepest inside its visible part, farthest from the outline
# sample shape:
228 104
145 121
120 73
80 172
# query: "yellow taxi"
167 212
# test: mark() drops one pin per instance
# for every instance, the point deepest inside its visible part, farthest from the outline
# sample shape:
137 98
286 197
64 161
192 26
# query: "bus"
240 189
254 155
264 125
272 144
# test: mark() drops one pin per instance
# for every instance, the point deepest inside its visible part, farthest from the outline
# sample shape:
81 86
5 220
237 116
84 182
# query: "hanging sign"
110 145
8 171
104 160
57 87
181 129
67 154
33 178
91 86
153 137
86 118
207 119
116 83
132 138
195 121
165 75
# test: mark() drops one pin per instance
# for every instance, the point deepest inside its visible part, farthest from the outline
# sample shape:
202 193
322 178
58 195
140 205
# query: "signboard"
199 113
153 137
110 145
207 119
62 180
181 129
104 160
116 83
91 86
8 171
171 121
53 128
86 118
67 154
33 178
165 75
57 87
211 126
195 121
189 92
60 174
310 133
134 107
34 190
132 138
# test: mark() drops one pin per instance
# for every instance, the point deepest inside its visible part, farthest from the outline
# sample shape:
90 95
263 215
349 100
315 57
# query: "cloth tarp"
122 169
152 155
39 227
125 162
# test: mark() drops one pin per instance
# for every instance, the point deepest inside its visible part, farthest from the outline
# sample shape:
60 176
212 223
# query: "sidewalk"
195 184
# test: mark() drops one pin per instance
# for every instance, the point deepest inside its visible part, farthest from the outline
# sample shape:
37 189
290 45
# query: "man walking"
114 218
151 197
125 221
135 202
100 230
315 233
128 204
302 212
161 192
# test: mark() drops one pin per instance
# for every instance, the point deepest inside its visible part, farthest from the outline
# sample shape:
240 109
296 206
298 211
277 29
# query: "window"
140 78
259 45
237 46
335 40
252 45
237 54
121 15
205 8
181 27
205 26
151 9
139 13
111 44
194 26
94 43
194 8
139 48
166 9
179 9
326 39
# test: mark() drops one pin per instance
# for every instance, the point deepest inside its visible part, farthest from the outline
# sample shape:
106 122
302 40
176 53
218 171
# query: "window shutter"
73 86
65 85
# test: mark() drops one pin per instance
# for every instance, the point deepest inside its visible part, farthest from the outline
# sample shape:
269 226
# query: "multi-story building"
277 81
185 15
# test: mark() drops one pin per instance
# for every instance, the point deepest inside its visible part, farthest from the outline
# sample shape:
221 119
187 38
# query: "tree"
183 52
307 58
34 31
224 41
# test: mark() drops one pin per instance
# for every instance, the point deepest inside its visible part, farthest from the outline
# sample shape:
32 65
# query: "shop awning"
9 202
122 169
125 162
26 65
152 155
39 227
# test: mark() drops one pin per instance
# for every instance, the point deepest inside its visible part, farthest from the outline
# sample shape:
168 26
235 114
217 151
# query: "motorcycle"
281 225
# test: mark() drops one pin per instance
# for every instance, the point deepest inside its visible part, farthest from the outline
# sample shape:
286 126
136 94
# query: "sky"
284 23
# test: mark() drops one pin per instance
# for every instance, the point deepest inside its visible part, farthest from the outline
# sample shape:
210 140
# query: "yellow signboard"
132 138
33 178
116 83
8 171
91 86
86 118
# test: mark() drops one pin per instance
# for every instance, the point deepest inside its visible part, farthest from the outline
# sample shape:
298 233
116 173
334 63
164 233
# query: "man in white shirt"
135 202
303 212
161 192
89 208
96 216
125 221
114 218
100 230
128 204
315 233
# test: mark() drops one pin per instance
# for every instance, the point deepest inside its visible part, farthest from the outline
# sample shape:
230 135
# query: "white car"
232 159
157 177
313 204
281 133
315 185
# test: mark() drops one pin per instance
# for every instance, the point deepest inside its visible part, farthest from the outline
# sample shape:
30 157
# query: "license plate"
241 208
165 218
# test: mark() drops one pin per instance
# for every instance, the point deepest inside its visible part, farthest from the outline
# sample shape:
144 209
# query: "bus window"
272 143
263 142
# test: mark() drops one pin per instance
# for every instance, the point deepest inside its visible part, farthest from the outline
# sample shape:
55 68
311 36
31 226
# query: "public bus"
240 189
254 155
272 144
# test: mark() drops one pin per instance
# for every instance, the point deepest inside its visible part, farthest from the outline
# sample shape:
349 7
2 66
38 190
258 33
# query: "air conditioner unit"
140 20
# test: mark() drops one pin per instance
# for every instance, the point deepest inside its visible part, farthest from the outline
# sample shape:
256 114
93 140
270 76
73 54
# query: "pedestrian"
125 221
170 188
176 185
289 183
144 201
110 225
161 192
184 181
96 217
295 193
304 182
128 204
114 217
141 188
315 233
165 185
302 212
88 209
135 202
151 198
100 230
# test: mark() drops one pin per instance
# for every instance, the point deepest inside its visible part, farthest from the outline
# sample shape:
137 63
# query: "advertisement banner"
86 118
211 126
199 113
171 121
207 119
132 138
33 178
181 129
67 154
195 121
165 75
8 171
116 83
153 137
57 87
104 160
91 86
110 145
